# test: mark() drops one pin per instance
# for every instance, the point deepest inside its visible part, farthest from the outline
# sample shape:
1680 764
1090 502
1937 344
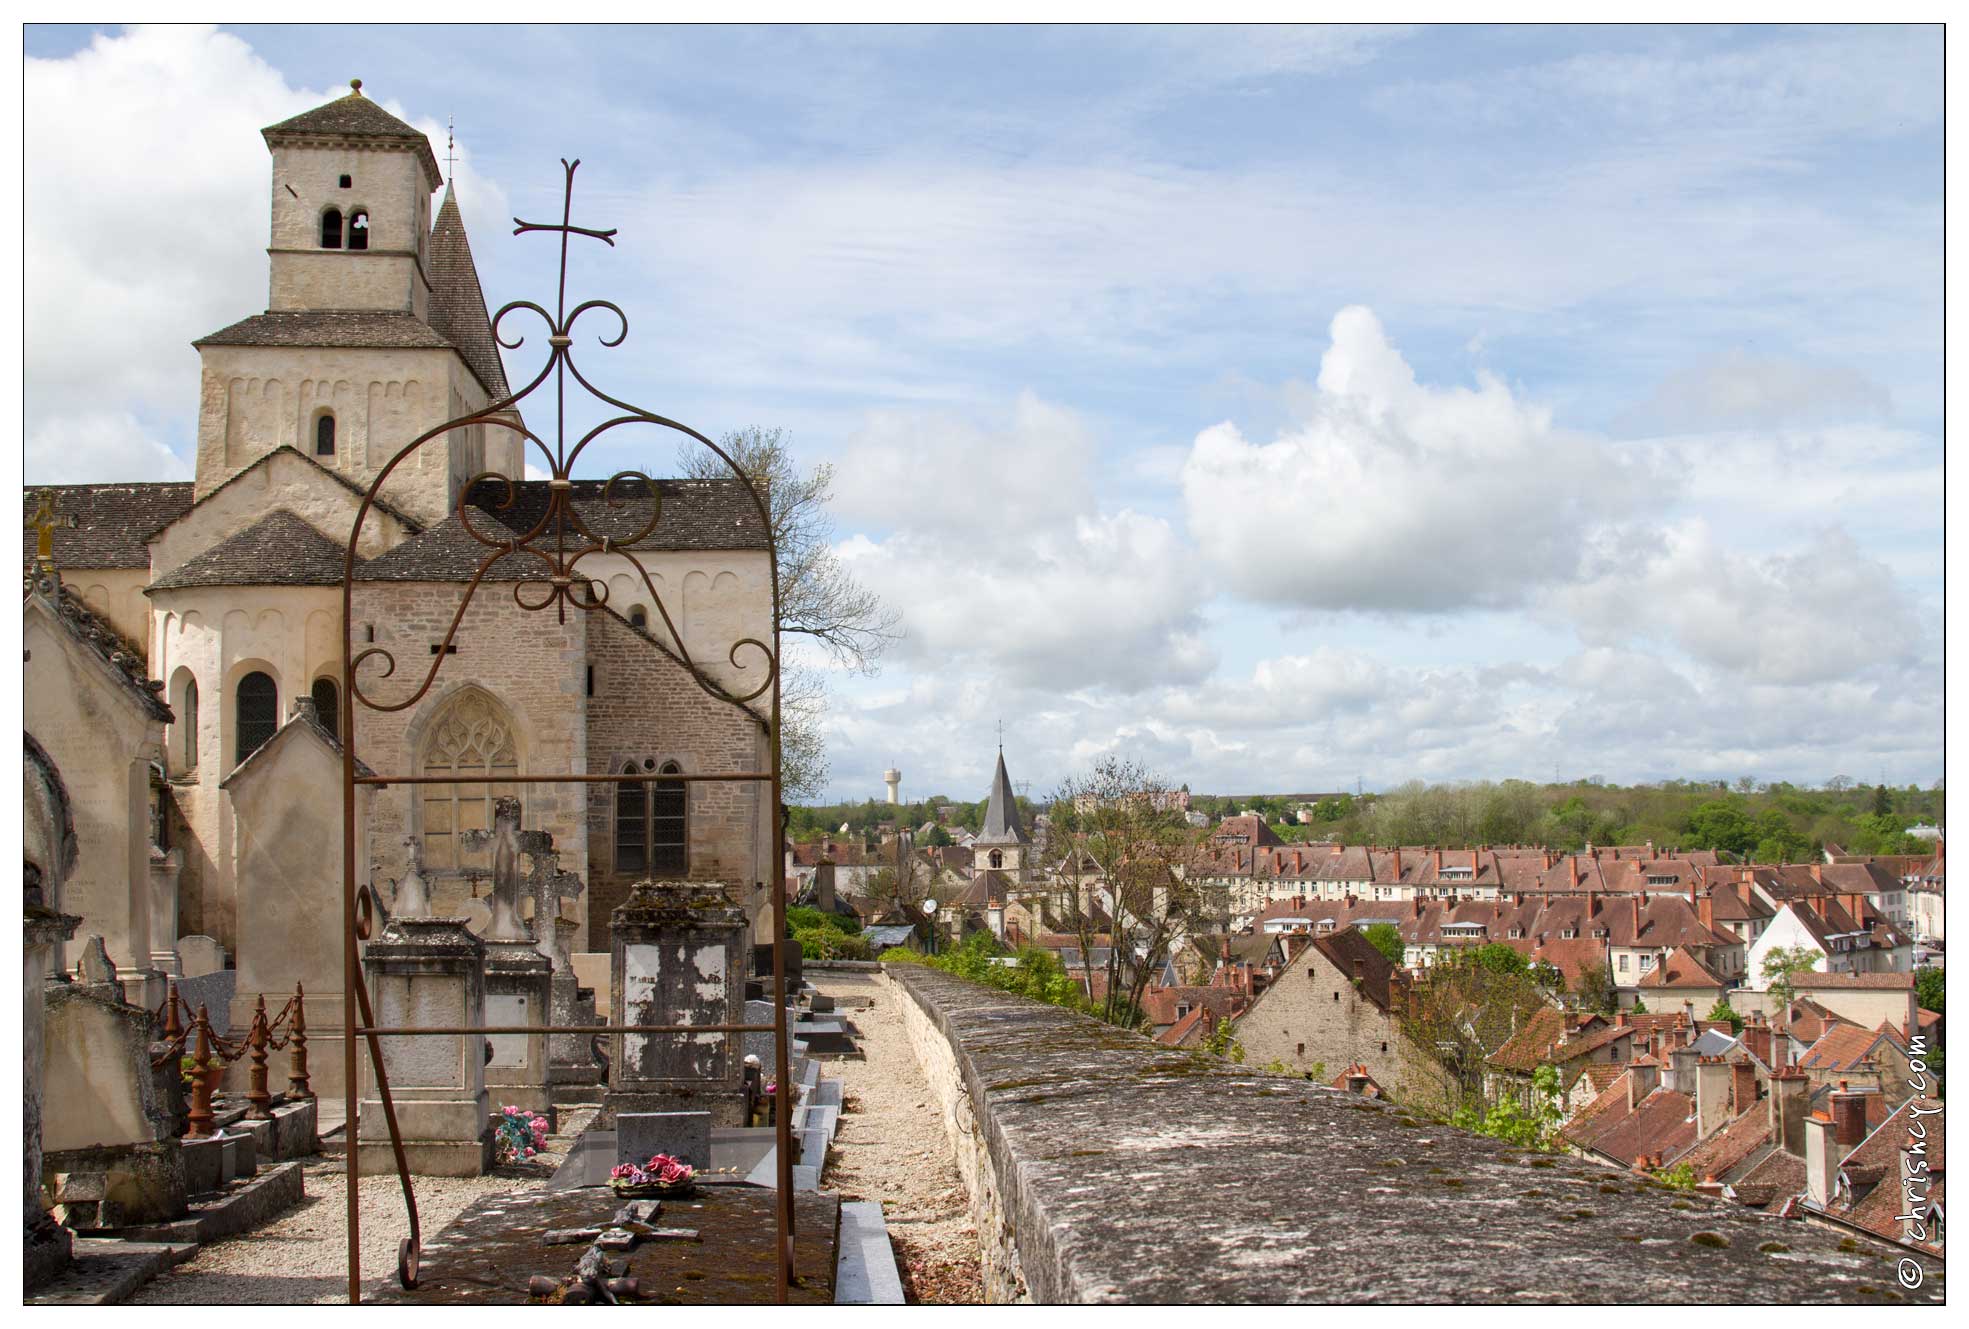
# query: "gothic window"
651 823
471 738
359 229
256 714
331 229
188 726
324 435
327 704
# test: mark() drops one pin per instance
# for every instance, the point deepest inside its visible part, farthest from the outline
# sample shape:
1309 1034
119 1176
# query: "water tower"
893 778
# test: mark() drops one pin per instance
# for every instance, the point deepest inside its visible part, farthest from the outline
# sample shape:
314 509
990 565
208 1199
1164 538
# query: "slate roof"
458 304
112 522
1001 821
1812 981
124 658
697 514
280 549
388 329
354 116
1779 1176
1728 1147
1844 1047
1880 1152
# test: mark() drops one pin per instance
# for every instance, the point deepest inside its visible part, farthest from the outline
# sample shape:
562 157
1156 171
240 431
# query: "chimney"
1710 1186
1706 912
1790 1093
1620 1020
1415 906
1757 1039
1712 1096
1357 1079
1572 870
1688 1020
1821 1160
1634 902
1397 852
1818 874
1642 1077
1682 1070
1360 970
1743 1087
1592 904
1548 860
1439 862
1848 1119
824 886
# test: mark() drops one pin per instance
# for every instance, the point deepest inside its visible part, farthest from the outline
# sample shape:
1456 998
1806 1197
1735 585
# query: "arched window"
472 737
631 824
327 704
331 229
359 229
188 726
997 859
638 617
324 434
652 823
256 714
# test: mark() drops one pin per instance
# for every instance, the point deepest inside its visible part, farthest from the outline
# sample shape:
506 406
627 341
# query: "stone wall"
646 707
1104 1168
1314 1019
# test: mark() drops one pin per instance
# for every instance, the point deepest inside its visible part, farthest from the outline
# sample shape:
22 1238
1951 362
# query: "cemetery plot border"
551 551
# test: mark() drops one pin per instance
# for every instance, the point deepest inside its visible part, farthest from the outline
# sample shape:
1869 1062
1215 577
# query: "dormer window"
331 229
359 229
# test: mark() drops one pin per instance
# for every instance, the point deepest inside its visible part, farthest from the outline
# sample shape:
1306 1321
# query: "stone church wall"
530 664
117 595
254 399
647 706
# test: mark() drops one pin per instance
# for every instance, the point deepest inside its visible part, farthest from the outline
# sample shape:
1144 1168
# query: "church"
185 640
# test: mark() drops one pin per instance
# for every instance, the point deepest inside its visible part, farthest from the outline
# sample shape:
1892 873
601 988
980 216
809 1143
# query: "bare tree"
818 599
1123 846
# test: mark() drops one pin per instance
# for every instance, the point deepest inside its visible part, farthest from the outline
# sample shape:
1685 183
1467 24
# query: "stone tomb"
110 1152
428 972
677 957
518 974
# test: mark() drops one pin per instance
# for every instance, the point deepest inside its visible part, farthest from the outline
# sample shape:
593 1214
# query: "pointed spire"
1001 822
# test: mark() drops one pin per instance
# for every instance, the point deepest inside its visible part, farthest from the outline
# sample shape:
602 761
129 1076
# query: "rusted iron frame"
358 906
577 1029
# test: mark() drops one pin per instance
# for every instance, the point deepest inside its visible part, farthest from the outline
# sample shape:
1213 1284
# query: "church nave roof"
113 523
280 549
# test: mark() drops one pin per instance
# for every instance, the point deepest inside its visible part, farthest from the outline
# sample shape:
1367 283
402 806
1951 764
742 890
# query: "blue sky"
1283 407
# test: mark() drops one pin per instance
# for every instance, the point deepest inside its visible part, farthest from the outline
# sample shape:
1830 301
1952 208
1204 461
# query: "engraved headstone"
685 1135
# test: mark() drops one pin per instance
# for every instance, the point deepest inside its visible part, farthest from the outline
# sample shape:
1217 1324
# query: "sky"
1290 409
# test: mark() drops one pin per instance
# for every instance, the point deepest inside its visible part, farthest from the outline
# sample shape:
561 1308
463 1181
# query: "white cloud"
1390 495
1737 390
1821 614
992 544
89 447
138 251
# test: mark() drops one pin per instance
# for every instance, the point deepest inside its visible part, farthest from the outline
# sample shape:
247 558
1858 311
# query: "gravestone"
428 972
685 1135
199 955
677 957
518 976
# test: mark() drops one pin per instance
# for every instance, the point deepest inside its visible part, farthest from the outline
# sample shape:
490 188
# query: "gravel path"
302 1256
891 1147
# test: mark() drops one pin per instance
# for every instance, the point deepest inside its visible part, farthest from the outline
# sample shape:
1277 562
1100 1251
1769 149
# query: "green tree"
1720 825
1928 989
1883 802
1501 959
1722 1011
1595 989
1780 964
1387 938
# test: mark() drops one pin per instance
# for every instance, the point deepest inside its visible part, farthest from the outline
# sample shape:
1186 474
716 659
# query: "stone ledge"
1105 1168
